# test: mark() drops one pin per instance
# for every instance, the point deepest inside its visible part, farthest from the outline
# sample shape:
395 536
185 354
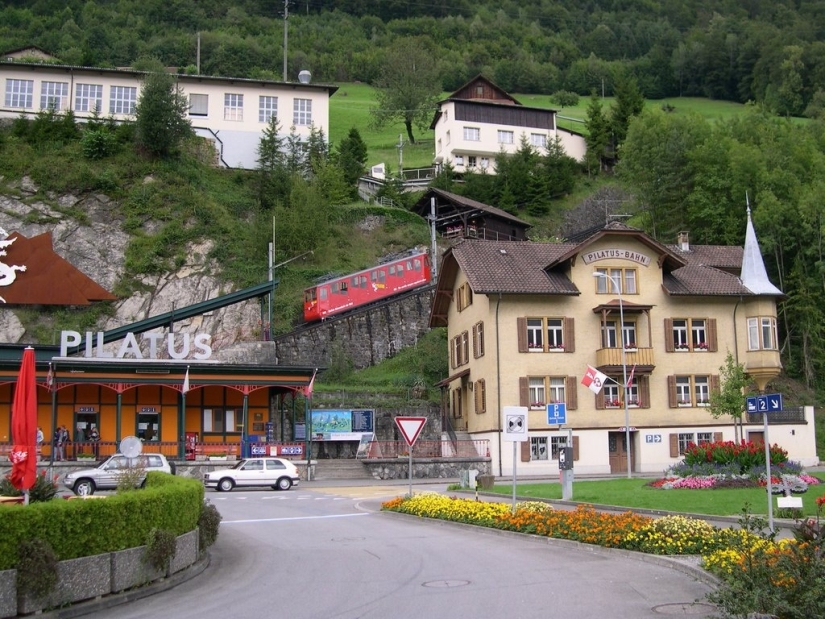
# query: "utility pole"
286 18
400 153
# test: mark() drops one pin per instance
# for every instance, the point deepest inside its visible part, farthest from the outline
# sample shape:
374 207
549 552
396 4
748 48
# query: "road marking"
295 518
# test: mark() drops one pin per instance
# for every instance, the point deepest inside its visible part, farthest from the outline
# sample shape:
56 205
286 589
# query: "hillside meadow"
350 107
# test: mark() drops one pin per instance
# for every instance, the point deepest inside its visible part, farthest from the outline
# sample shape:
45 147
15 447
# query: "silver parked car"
265 471
105 476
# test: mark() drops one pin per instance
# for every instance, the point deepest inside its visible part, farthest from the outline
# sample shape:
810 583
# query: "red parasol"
24 425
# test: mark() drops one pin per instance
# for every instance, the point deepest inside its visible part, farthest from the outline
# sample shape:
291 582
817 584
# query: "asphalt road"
327 552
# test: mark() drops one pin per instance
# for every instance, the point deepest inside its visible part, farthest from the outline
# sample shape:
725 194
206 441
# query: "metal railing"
789 415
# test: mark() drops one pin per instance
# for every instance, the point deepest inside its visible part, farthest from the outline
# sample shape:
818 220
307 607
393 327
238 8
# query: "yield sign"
410 427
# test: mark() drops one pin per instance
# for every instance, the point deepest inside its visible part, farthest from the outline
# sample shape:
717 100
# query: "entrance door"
616 442
756 436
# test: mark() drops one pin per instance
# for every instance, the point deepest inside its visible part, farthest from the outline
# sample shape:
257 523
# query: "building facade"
229 112
526 320
479 121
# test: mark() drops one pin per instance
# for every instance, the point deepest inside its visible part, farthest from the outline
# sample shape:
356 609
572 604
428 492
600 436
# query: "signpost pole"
514 477
768 470
410 470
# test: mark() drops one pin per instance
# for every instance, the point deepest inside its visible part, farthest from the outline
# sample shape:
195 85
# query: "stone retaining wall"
425 468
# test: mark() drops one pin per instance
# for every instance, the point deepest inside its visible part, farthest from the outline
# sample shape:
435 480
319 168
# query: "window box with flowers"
702 403
612 403
634 403
535 348
700 347
681 348
537 405
551 348
684 403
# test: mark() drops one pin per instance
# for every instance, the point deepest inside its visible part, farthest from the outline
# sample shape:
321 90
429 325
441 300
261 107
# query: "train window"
310 295
363 281
323 293
333 288
392 269
417 263
400 270
344 287
382 275
374 275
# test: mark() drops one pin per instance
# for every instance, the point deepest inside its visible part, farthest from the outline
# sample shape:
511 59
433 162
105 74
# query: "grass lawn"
634 493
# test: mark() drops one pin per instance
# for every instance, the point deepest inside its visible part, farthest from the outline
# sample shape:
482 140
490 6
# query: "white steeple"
754 276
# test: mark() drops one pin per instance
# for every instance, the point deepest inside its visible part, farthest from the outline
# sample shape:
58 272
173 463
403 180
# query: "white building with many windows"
230 112
525 321
479 121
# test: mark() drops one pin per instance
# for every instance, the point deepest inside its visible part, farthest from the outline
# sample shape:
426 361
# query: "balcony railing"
634 356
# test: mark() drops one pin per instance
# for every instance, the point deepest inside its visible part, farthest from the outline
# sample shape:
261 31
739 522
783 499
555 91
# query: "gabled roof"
422 207
524 267
467 92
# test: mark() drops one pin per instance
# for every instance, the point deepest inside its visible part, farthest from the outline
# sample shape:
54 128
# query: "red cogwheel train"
368 286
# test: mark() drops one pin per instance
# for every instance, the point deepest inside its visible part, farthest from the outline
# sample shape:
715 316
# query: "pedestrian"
57 443
39 439
94 438
64 443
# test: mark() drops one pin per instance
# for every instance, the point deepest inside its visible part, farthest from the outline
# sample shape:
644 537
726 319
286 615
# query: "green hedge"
81 528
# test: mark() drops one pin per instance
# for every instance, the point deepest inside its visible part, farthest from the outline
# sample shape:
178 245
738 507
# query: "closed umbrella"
24 426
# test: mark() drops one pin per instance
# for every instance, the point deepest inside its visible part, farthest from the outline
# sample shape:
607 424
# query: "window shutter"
644 391
523 391
669 347
525 451
521 325
477 399
571 390
453 349
714 383
569 335
674 445
712 343
475 342
671 392
600 400
575 448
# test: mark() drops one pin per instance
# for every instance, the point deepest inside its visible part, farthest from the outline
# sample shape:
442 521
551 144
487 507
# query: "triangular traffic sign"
410 427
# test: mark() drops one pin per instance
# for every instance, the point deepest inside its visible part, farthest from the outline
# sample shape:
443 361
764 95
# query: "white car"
107 474
276 472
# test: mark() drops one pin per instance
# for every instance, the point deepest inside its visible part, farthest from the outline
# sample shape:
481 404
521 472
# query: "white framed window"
701 389
458 160
472 134
19 93
267 108
689 438
609 334
472 161
555 390
762 334
699 334
539 140
625 279
538 448
535 337
680 338
122 100
612 397
302 112
555 334
505 137
448 138
633 392
556 443
232 106
537 393
88 97
485 163
198 105
54 95
683 391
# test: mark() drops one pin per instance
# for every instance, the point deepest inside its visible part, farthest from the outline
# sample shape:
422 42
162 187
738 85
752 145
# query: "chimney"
682 241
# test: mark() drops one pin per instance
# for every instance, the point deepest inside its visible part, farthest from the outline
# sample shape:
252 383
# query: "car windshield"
239 464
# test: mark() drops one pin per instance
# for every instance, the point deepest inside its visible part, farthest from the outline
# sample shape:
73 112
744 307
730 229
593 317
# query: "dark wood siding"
510 115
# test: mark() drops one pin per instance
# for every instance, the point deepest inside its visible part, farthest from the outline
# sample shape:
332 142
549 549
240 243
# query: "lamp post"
618 290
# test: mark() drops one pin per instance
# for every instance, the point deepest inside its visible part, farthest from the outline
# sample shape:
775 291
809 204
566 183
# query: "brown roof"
702 280
728 257
422 207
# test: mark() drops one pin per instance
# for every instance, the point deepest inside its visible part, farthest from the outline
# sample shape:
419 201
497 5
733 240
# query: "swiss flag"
593 379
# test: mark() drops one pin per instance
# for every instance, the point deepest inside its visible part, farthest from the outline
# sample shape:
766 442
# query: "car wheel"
226 484
84 487
173 467
285 483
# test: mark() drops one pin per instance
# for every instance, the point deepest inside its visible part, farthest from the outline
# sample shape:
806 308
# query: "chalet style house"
479 121
229 112
525 320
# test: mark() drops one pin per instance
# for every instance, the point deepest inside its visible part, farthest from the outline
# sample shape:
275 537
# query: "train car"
363 287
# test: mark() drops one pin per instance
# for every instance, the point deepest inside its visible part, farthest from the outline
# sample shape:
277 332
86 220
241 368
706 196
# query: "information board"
342 425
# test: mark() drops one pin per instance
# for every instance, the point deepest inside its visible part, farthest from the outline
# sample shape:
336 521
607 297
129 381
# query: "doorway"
617 448
148 426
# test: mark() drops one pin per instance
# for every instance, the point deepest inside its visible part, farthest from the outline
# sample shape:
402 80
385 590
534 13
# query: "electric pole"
286 18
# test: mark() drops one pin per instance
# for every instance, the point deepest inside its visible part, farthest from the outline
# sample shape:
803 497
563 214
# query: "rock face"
97 248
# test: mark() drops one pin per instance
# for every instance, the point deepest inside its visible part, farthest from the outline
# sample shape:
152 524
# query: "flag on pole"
50 377
593 379
307 391
186 381
630 378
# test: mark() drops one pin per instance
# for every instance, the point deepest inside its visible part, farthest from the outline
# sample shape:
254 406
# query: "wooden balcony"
611 358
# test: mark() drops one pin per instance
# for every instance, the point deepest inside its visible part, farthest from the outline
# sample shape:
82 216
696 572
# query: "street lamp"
618 290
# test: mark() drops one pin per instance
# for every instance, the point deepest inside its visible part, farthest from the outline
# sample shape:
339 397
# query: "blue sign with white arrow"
771 403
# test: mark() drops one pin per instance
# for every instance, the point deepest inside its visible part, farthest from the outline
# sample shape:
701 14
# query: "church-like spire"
754 276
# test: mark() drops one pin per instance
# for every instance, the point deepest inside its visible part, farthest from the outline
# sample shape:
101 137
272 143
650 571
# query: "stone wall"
435 468
366 336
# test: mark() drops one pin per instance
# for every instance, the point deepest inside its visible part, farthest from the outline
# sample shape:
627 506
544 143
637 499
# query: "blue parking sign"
557 414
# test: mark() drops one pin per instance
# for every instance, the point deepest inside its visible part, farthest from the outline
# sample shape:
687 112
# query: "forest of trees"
768 51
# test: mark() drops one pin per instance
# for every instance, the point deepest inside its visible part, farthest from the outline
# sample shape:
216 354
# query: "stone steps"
340 469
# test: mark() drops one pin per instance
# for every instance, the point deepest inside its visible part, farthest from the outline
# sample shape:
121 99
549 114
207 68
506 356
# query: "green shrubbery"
44 488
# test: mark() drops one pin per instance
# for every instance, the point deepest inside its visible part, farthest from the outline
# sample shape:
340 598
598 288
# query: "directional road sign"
410 427
557 414
771 403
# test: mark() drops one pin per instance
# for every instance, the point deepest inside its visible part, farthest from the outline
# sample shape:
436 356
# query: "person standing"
94 438
39 440
57 443
64 443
